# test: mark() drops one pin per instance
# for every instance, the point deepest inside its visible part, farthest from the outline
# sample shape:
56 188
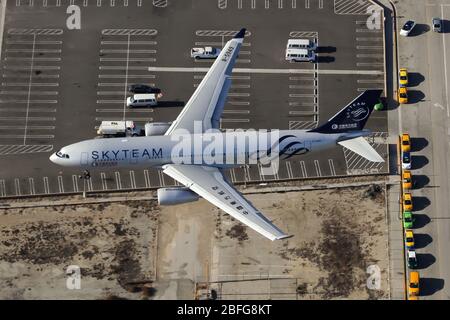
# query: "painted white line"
104 182
270 71
232 175
132 180
206 43
118 181
289 170
120 110
61 184
2 188
89 184
25 84
317 165
331 164
121 76
17 187
147 179
125 51
16 92
131 42
32 188
239 103
30 136
130 118
303 168
294 4
75 183
46 185
29 90
306 4
236 120
161 178
128 60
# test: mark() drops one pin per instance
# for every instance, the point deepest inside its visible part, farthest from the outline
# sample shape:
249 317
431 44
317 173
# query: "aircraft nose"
53 158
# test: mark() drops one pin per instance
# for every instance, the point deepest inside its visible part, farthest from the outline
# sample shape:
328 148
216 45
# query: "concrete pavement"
426 118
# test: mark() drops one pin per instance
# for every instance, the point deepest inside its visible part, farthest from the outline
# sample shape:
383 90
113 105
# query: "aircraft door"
84 159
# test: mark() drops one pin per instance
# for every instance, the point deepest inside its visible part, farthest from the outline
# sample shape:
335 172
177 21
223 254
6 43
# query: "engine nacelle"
156 128
176 195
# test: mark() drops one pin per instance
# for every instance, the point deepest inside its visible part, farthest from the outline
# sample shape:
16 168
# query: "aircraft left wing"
209 183
207 102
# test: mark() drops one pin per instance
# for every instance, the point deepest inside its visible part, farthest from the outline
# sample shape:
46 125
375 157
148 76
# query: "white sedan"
205 53
407 28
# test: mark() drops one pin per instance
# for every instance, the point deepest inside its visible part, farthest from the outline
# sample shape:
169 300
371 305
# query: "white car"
406 161
407 28
205 53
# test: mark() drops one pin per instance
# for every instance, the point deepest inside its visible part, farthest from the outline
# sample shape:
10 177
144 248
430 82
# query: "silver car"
437 24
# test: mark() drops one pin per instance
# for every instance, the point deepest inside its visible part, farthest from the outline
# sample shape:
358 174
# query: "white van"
301 44
300 55
142 100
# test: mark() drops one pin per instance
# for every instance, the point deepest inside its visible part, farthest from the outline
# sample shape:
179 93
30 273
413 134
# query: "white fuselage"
219 149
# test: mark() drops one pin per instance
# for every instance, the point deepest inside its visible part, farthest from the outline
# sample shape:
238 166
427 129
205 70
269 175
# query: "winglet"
240 34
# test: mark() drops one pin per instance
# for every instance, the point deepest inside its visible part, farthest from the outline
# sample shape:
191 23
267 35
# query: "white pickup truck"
205 53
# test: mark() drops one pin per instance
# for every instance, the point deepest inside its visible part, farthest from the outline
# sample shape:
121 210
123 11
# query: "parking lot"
59 84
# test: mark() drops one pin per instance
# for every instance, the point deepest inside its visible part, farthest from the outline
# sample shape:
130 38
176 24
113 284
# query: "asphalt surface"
426 119
78 78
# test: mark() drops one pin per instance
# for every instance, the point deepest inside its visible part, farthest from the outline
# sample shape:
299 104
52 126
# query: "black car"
143 88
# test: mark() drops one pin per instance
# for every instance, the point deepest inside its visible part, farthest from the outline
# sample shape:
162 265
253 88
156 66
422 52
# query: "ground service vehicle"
205 53
117 129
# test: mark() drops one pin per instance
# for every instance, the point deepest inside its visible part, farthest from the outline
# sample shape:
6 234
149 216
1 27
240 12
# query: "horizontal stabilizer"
363 148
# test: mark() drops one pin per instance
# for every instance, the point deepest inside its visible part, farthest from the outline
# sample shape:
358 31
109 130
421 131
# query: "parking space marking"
317 166
75 183
118 181
303 168
147 179
289 170
31 186
232 175
161 178
17 186
2 188
261 176
104 182
61 184
24 50
332 169
132 179
46 185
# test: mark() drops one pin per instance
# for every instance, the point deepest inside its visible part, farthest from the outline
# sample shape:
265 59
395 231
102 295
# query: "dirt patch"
112 243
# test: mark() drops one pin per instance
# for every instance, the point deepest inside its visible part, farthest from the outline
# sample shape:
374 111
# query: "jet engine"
176 195
156 128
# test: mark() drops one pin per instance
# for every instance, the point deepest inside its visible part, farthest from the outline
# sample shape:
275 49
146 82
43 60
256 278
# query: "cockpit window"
59 154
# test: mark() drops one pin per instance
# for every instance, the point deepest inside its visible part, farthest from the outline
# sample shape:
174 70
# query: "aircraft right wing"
209 183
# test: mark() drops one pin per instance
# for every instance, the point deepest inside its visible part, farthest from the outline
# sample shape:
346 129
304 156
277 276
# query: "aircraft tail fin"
360 146
353 116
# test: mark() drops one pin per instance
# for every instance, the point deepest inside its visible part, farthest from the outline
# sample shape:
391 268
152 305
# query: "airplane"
199 123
